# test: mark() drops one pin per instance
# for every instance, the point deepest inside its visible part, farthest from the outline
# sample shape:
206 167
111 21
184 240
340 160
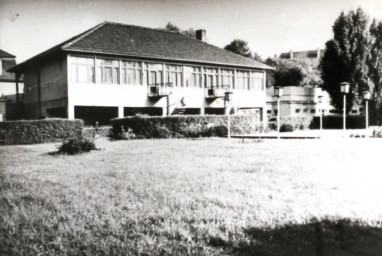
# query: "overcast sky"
28 27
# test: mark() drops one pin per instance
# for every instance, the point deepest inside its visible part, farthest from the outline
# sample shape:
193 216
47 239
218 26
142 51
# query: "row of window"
105 71
298 110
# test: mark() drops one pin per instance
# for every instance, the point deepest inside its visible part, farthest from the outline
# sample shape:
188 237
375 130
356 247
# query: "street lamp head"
228 96
278 91
366 95
345 87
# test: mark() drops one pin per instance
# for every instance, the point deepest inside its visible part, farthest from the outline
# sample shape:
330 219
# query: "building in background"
313 56
299 102
10 88
115 70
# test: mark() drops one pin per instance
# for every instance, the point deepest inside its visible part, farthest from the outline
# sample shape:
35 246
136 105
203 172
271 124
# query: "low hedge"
297 123
184 126
336 122
39 131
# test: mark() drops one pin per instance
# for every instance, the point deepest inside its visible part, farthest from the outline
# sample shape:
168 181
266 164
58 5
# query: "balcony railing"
158 90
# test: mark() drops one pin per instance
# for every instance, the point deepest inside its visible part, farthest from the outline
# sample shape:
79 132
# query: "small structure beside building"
116 70
299 102
11 86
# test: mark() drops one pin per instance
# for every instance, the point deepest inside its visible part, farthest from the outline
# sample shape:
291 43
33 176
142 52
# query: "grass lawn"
200 197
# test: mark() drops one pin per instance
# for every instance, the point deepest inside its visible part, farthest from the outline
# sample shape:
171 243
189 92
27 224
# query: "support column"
70 112
120 111
17 87
39 94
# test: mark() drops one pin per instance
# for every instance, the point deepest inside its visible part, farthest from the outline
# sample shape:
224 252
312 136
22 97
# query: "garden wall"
39 131
184 126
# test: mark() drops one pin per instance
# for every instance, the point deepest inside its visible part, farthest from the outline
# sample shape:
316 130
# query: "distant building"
115 70
8 80
10 88
299 102
303 101
313 56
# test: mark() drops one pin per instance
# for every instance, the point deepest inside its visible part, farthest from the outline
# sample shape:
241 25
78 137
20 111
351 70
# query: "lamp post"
366 97
320 110
227 100
344 89
278 92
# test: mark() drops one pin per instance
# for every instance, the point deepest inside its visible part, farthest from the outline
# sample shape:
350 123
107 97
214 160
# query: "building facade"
115 70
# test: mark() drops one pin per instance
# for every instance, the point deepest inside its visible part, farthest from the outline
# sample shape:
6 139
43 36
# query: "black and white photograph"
180 127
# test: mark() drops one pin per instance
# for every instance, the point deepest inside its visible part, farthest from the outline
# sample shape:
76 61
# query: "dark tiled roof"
4 54
129 40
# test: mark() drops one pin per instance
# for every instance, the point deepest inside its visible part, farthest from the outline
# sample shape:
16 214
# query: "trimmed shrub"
76 146
286 128
39 131
377 132
192 126
336 122
301 123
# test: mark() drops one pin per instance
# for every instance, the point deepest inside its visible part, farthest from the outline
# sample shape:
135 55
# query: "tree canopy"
345 58
241 47
294 72
188 32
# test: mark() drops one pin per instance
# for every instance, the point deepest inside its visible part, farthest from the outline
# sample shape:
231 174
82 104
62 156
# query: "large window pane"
82 69
107 71
174 75
131 72
192 76
227 78
154 74
242 80
257 81
210 77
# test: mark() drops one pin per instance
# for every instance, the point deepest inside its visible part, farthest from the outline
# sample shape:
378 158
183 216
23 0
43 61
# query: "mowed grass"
200 197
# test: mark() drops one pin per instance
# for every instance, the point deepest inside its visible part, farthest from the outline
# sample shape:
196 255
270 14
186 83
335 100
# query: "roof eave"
265 67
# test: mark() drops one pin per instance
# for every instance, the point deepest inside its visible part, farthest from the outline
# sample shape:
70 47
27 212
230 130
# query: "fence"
97 132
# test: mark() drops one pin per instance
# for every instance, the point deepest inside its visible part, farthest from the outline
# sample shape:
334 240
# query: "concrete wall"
53 88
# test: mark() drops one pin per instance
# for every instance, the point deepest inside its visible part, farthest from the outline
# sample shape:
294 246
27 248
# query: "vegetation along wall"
39 131
184 126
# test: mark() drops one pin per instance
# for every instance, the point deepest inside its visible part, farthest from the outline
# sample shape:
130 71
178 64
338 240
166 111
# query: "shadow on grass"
342 237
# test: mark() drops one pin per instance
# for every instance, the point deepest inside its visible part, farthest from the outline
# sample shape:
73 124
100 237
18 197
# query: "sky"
28 27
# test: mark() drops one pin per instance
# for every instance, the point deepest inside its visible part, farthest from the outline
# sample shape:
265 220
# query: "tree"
173 28
257 57
240 47
345 57
374 62
285 76
293 72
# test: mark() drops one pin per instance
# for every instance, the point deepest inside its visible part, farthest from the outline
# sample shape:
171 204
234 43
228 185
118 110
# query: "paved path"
310 134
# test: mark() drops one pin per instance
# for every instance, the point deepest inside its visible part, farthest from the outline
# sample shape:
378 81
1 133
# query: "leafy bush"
161 132
286 128
39 131
77 146
336 122
377 133
190 126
